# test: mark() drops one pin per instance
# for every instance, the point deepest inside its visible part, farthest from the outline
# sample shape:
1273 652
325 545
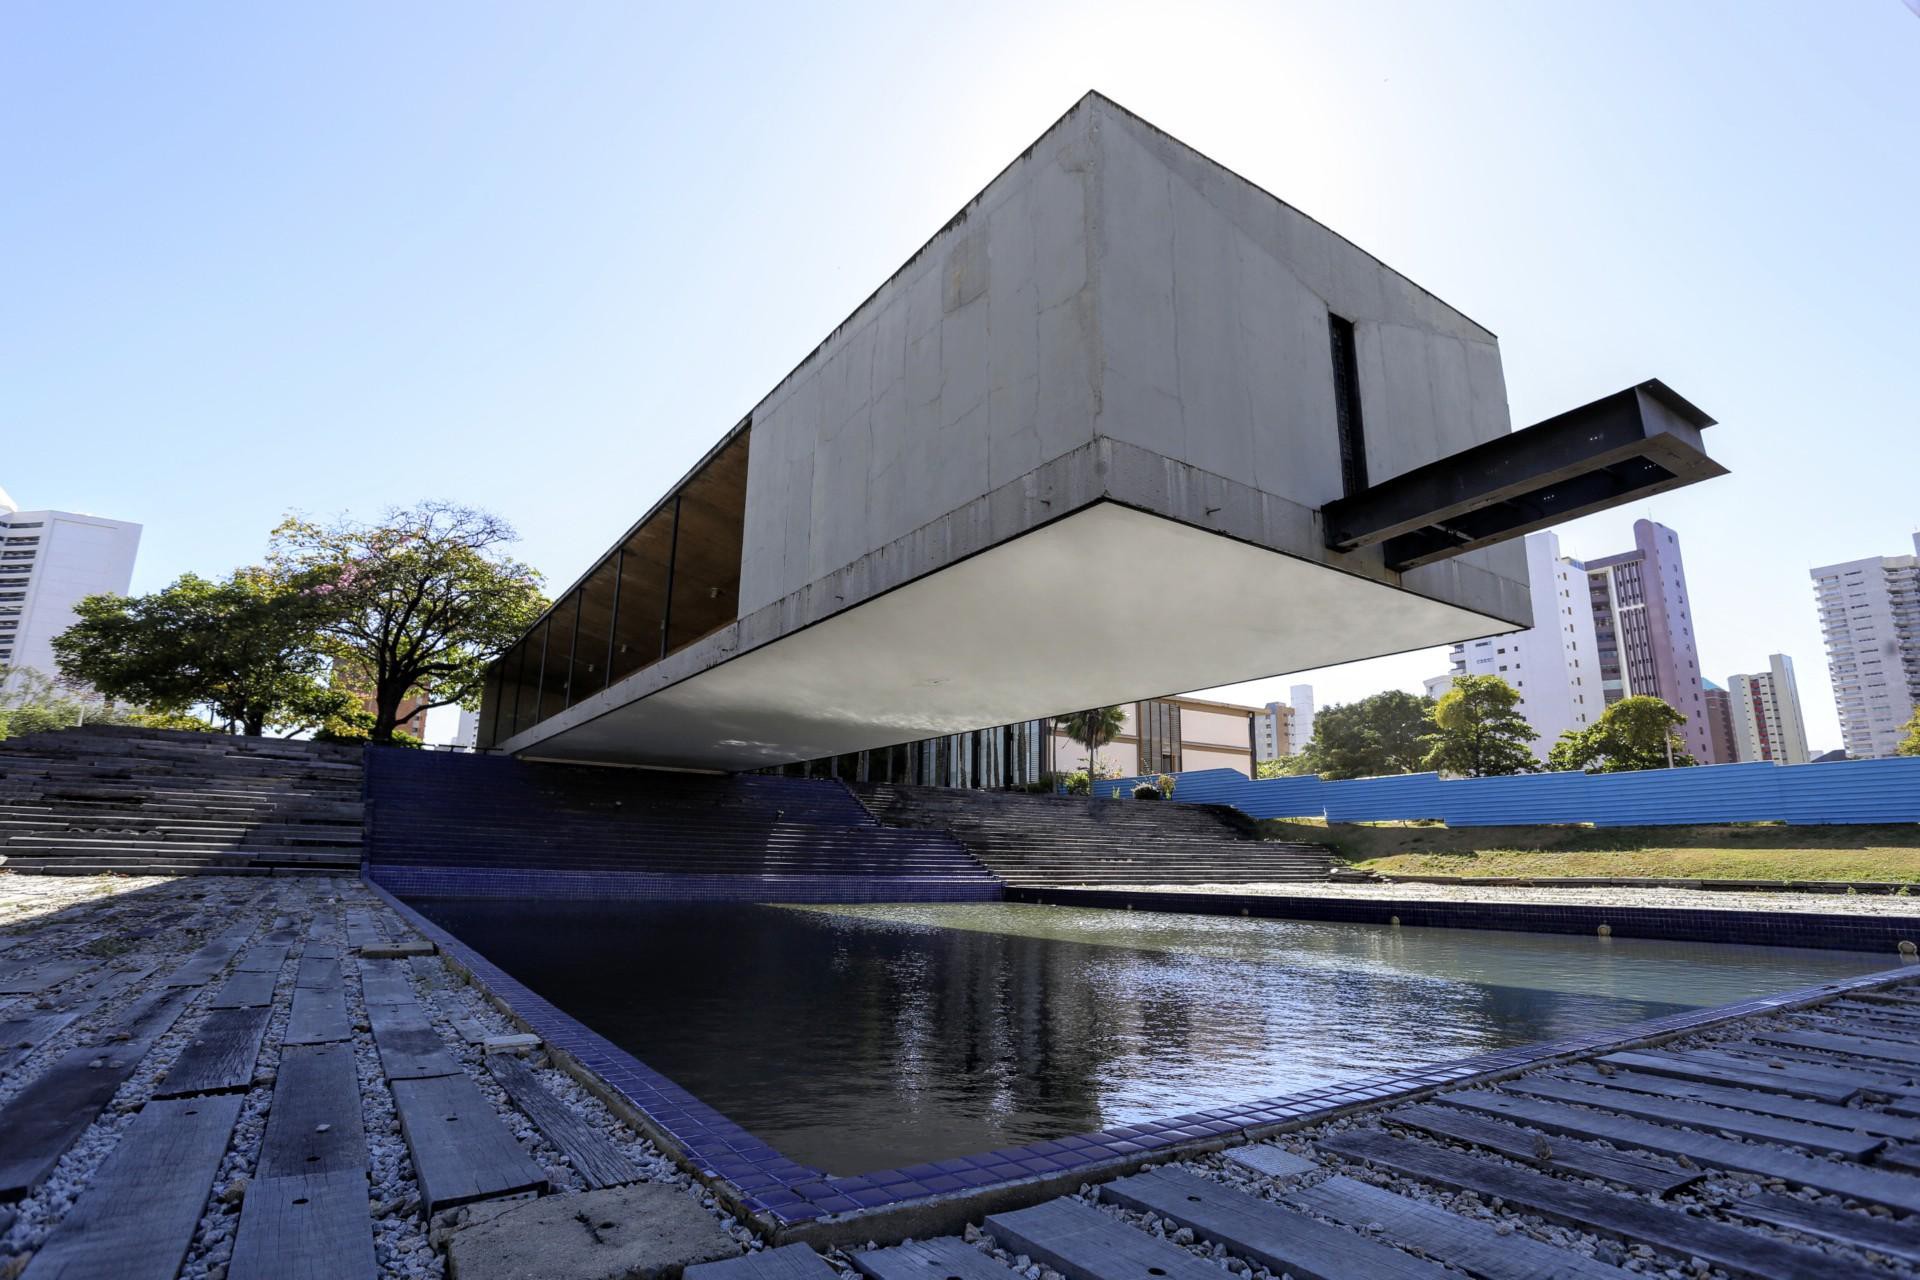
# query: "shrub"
1146 791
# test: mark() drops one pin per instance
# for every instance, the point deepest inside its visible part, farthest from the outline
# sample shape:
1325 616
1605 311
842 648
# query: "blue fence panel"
1847 791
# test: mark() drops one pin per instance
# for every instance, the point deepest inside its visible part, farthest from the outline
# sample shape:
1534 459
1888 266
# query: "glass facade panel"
594 629
558 657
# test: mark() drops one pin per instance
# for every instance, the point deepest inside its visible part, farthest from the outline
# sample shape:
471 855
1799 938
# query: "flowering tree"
420 601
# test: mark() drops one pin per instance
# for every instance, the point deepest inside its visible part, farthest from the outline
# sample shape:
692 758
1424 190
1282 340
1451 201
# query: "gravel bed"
1862 904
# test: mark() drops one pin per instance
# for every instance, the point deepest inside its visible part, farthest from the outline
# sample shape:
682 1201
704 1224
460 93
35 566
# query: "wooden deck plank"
30 979
244 990
318 1016
137 1216
1704 1116
1281 1239
317 971
946 1258
1563 1155
21 1036
1082 1243
1816 1066
461 1150
1628 1218
1734 1073
410 1049
42 1120
305 1227
1470 1244
1271 1161
1891 1190
592 1155
220 1056
1860 1046
314 1125
1772 1104
206 964
1843 1226
264 957
1871 1028
386 982
788 1262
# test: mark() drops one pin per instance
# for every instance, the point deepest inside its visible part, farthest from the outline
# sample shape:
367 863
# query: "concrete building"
1870 614
1766 714
1643 630
1273 729
1719 705
467 733
49 562
1119 364
1169 735
1553 665
1300 698
1437 686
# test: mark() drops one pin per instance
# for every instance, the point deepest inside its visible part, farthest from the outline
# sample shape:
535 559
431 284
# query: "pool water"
855 1038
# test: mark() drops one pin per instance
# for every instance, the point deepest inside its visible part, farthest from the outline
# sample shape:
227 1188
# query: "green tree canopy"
421 601
247 647
33 702
1910 745
1478 730
1096 728
1633 733
1381 734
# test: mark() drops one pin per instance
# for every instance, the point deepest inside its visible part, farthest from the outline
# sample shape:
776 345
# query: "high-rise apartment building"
1300 698
1554 664
1766 714
1719 705
49 561
1870 614
1273 731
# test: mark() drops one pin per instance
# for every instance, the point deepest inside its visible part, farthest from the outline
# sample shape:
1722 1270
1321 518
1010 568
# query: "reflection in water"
855 1038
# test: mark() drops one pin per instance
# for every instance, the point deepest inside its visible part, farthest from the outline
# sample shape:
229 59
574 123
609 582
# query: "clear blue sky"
538 257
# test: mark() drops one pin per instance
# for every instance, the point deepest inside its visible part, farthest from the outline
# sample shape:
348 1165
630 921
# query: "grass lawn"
1743 852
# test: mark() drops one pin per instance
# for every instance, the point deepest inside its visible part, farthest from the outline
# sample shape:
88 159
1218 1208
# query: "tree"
36 703
247 647
1096 728
1910 745
1633 733
421 601
1381 734
1478 732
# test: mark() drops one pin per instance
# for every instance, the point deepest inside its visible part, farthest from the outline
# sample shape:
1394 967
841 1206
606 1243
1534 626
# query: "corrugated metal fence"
1837 792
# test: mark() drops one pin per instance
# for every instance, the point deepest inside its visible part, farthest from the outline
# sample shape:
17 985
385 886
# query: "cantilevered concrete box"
1075 452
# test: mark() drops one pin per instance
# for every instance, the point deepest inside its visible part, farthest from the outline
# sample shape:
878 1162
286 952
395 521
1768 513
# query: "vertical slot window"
1346 400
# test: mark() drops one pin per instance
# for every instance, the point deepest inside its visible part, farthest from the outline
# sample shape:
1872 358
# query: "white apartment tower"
1553 665
1870 614
1300 698
49 561
1766 714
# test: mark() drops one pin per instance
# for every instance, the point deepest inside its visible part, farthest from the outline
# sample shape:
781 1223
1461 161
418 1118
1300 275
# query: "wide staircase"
1032 840
107 798
494 826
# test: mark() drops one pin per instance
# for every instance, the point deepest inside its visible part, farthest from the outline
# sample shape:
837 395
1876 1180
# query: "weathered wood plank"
1844 1226
1283 1240
21 1036
1271 1161
1871 1028
41 1121
461 1150
318 1016
1627 1218
1082 1243
210 960
264 957
1704 1116
305 1227
136 1217
30 979
314 1126
410 1049
1904 1156
947 1258
1471 1245
592 1155
1772 1104
220 1056
386 982
244 990
1735 1073
317 971
1860 1046
1816 1066
788 1262
1891 1190
1562 1155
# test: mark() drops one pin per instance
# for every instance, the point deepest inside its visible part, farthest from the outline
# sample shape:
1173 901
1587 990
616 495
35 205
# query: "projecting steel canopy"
1629 445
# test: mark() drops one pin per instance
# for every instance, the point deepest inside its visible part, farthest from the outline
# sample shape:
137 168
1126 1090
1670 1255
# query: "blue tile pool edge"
784 1200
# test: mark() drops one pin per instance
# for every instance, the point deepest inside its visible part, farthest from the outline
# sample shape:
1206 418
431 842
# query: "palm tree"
1096 728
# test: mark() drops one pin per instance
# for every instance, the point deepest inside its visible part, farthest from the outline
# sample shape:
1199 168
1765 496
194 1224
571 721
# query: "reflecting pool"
863 1037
